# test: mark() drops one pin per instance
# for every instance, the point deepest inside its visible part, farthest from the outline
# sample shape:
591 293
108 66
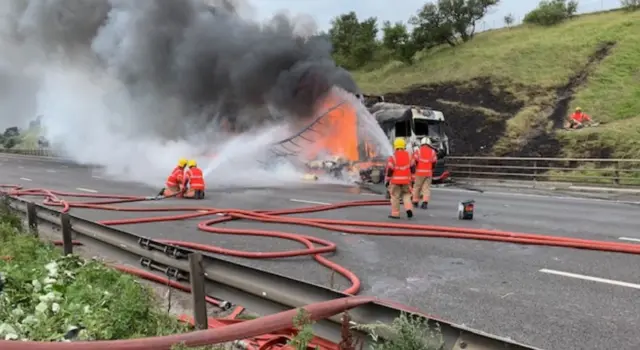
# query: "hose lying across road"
315 247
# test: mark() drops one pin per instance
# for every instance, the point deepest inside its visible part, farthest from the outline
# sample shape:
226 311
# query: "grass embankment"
534 63
46 296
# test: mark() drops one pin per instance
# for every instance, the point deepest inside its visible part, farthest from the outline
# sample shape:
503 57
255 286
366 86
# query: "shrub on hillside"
630 5
550 12
508 20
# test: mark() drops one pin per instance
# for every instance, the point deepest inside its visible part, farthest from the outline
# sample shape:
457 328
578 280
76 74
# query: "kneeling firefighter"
398 179
173 185
193 184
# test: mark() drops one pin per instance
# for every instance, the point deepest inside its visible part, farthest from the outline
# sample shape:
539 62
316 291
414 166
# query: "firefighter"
193 184
423 161
578 120
398 179
173 185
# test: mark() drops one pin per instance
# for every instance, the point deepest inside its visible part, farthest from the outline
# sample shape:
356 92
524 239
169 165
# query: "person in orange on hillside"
398 179
173 185
578 119
193 184
423 161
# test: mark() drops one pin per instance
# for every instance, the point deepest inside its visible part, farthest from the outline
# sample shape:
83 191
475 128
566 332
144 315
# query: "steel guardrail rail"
613 172
259 290
610 172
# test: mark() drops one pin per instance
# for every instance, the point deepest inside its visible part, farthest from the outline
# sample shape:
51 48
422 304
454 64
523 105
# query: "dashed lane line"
308 202
86 190
629 239
591 278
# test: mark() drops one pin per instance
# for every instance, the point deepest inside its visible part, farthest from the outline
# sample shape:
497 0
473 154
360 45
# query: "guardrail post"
535 170
67 241
196 277
32 218
616 173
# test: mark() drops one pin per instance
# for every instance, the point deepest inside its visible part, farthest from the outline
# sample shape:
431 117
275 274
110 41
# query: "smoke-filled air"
132 86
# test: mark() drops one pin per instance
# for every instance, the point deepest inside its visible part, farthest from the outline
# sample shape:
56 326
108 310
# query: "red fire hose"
314 247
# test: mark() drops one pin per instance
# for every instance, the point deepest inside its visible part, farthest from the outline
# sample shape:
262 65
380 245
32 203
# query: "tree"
396 39
550 12
508 20
431 28
448 21
630 5
463 15
354 42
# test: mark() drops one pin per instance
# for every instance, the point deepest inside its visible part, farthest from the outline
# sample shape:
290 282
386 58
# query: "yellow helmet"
399 143
182 162
192 163
578 109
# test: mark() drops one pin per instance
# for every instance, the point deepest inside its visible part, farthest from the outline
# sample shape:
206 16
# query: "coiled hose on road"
283 320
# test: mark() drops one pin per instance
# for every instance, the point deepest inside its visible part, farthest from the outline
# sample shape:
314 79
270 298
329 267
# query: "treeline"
357 44
13 137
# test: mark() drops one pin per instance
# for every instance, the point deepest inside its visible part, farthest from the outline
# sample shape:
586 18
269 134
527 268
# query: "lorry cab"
413 123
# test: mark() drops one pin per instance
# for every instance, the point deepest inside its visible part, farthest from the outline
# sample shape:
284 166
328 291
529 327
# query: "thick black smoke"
212 61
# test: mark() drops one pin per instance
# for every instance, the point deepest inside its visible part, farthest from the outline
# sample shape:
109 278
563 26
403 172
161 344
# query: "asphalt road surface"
552 298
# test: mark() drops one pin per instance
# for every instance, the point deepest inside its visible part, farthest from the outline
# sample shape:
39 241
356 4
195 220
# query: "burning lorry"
346 142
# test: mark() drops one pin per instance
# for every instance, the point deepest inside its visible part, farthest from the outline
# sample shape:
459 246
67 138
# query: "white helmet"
425 141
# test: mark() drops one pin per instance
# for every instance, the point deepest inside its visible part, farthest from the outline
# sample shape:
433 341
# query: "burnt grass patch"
477 111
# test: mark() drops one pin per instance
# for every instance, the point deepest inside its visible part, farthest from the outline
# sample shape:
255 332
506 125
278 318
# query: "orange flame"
338 129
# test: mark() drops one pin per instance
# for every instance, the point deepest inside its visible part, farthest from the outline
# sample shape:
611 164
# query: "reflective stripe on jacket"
400 163
195 178
175 178
424 160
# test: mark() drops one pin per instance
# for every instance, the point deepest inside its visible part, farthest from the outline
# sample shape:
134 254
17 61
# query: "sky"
322 11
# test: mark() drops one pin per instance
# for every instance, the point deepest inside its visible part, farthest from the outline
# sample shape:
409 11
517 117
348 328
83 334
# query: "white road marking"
25 179
86 190
591 278
531 195
51 171
20 167
629 239
97 177
308 202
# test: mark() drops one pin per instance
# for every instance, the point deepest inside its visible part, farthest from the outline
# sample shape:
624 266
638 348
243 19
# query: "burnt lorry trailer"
352 152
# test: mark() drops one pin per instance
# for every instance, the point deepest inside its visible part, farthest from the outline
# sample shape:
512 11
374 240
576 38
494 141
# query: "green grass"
29 139
543 57
407 332
45 294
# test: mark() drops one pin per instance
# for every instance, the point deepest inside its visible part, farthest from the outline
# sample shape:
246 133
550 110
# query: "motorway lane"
494 287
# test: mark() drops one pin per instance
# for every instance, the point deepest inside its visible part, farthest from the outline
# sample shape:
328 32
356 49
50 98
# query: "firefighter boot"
415 204
424 205
409 213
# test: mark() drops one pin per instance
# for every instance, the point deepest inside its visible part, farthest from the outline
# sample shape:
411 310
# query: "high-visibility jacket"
175 178
580 117
399 164
195 178
424 159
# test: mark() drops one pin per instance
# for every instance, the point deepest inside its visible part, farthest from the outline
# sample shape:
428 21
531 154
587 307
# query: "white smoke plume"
134 85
